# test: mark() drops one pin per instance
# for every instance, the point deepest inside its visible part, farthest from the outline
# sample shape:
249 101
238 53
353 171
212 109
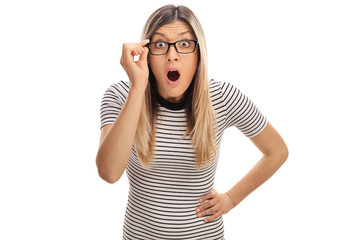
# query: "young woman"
165 126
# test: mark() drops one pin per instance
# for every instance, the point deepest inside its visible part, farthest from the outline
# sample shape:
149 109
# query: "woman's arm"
275 151
116 140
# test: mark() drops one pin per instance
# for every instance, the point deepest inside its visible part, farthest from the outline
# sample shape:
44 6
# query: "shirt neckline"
172 105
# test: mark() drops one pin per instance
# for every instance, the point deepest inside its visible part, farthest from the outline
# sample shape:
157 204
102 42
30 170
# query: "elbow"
106 175
109 178
280 155
284 154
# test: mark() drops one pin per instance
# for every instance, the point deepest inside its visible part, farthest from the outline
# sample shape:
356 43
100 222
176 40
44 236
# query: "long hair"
200 114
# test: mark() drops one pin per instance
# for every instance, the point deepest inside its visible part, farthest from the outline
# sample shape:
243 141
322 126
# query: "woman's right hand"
138 72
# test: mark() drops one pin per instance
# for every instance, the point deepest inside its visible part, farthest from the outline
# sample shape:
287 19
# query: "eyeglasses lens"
159 48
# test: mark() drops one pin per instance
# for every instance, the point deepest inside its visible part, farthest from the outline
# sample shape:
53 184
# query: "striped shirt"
162 199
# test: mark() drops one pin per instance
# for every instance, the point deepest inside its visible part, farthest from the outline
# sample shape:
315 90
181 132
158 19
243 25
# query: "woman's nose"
172 54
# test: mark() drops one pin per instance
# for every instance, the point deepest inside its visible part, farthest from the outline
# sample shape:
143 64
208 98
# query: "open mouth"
173 75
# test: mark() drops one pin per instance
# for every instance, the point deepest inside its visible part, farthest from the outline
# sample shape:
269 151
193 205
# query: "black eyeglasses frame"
174 43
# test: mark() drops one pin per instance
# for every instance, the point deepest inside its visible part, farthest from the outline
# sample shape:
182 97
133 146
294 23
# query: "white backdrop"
297 60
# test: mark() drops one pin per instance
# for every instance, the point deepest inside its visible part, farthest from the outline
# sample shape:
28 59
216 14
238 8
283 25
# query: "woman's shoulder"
219 84
119 88
215 85
219 87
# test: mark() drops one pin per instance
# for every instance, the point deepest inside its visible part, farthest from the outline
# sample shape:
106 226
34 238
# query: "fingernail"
200 200
205 220
197 210
199 215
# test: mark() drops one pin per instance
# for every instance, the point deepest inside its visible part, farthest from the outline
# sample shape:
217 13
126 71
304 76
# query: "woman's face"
173 91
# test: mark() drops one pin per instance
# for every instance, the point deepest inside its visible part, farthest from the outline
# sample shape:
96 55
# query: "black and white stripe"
162 199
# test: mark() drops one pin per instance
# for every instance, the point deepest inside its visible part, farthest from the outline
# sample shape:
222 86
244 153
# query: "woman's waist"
159 214
167 215
165 199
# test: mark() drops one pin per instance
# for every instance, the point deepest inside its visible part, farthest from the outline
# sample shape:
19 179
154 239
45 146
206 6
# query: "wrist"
139 88
234 203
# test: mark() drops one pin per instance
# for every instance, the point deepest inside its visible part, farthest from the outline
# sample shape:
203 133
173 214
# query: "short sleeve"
112 102
241 112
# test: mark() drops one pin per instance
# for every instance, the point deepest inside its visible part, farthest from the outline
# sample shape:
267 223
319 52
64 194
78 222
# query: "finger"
144 54
140 46
205 205
207 196
127 48
129 52
141 49
204 198
136 51
208 211
213 217
122 59
144 42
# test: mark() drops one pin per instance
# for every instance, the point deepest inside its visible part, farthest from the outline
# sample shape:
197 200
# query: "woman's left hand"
214 203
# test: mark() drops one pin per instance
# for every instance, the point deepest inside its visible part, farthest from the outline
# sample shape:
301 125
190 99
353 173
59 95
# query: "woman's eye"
160 44
184 44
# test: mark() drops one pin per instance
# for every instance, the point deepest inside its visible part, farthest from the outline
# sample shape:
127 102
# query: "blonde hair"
200 115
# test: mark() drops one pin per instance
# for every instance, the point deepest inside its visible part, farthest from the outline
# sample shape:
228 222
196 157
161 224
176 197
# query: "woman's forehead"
174 30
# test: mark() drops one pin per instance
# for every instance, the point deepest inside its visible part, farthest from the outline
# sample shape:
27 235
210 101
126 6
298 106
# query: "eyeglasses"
182 46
